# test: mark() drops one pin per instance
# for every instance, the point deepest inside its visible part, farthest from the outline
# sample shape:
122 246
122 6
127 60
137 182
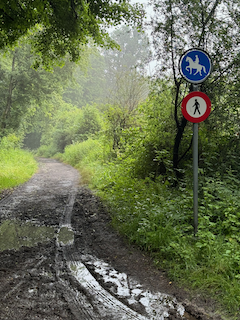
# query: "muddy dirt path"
60 259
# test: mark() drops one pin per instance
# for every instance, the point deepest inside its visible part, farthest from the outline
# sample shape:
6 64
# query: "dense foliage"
136 182
59 27
24 91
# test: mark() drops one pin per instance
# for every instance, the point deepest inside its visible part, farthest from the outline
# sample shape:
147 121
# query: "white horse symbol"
195 65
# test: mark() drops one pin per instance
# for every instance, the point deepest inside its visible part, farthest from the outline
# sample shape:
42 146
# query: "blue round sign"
195 65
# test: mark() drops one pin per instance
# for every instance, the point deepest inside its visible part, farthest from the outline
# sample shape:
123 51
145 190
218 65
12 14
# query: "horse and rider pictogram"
195 65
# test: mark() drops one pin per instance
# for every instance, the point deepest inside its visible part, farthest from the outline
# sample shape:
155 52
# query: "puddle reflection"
65 235
15 234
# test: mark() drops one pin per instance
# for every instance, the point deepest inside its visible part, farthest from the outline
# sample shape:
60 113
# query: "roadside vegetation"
16 165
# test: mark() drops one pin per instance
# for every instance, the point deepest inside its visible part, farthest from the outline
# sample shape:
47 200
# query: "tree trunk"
9 97
178 138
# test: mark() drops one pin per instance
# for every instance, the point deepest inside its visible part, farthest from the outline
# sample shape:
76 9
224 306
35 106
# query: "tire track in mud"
106 305
79 304
65 279
102 301
34 285
21 277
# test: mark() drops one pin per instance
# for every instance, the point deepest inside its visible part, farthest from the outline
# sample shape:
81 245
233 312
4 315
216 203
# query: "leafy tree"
134 50
25 91
130 88
148 143
70 125
213 26
126 82
113 76
60 26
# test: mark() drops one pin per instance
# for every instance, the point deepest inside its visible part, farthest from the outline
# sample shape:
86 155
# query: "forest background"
92 103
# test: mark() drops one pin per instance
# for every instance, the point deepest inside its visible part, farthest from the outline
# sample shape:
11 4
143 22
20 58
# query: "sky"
147 6
149 12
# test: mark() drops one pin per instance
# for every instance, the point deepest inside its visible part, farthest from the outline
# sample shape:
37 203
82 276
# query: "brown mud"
61 259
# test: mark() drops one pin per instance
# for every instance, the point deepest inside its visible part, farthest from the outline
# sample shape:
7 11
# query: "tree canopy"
58 27
25 91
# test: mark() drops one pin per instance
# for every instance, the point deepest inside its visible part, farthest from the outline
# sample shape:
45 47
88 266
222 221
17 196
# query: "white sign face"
196 107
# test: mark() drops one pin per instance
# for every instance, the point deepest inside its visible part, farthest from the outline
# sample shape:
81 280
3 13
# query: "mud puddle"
16 234
61 260
124 294
65 235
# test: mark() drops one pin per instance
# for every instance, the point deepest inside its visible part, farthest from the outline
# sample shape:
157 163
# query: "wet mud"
61 259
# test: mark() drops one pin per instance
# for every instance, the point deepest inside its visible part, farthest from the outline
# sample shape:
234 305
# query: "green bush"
10 141
70 125
46 151
85 152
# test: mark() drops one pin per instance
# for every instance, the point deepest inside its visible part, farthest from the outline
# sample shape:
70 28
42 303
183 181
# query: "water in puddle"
123 287
65 235
15 234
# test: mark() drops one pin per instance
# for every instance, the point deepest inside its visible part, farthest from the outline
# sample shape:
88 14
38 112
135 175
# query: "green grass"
16 167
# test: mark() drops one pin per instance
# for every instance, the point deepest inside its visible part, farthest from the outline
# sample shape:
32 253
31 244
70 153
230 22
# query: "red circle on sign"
202 105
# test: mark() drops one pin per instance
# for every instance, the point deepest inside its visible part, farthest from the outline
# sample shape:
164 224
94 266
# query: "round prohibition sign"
196 107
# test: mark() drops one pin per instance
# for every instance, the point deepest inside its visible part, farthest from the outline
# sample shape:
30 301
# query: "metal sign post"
195 173
195 66
196 107
195 177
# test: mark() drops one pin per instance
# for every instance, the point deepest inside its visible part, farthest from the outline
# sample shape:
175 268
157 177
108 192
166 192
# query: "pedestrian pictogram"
196 107
195 65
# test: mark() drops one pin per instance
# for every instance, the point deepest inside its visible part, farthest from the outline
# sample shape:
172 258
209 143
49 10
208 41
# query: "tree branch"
172 52
217 2
189 147
178 83
228 67
73 9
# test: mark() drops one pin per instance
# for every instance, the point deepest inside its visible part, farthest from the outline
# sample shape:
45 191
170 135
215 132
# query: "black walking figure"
196 105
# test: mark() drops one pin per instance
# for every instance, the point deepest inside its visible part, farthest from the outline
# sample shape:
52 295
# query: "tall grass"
16 165
85 156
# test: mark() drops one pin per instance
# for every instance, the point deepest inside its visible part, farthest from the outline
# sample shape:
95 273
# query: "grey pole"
195 173
195 177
